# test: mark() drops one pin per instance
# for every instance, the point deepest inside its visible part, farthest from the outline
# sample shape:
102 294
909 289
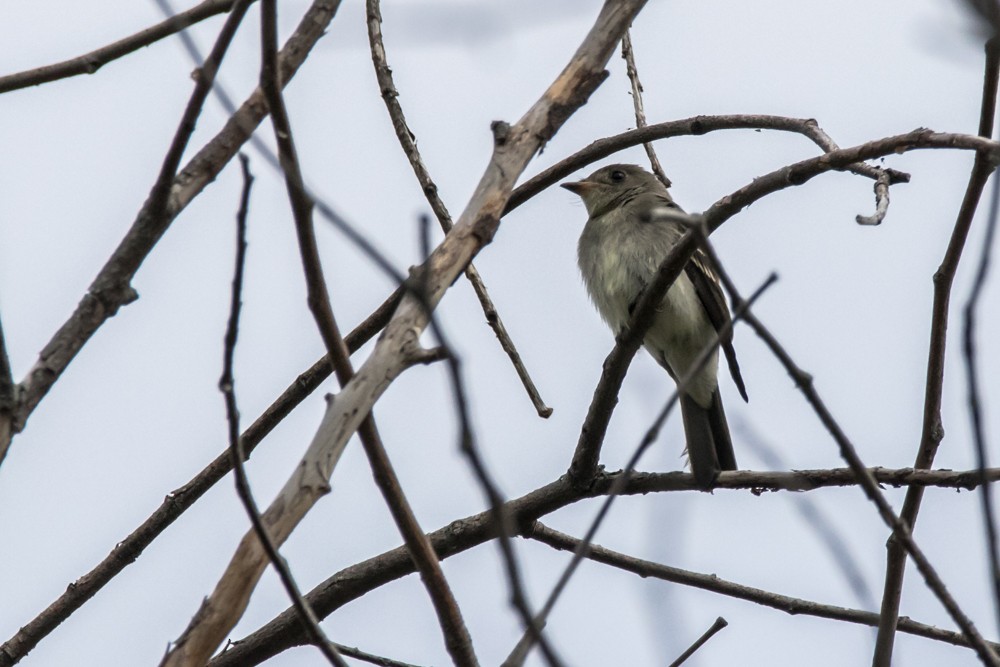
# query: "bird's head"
613 186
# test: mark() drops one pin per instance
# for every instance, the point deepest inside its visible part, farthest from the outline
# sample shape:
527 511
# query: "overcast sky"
138 413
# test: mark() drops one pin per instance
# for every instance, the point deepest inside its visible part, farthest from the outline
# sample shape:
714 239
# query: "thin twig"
89 63
227 385
849 453
719 624
640 114
110 290
408 142
932 429
714 584
975 404
457 638
355 581
520 652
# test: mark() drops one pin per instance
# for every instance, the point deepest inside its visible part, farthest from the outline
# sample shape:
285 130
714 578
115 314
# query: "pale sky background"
137 414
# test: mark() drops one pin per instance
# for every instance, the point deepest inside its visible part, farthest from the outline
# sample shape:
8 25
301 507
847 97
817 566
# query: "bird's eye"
617 176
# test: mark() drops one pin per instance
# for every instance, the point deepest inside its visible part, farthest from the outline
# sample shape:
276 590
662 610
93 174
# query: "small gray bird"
630 231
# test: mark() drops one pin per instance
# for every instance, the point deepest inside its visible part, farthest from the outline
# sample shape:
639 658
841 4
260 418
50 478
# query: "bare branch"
356 581
719 624
467 445
640 114
89 63
933 430
694 126
110 289
408 142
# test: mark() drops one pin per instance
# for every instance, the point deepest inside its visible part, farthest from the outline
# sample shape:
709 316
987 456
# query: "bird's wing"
706 285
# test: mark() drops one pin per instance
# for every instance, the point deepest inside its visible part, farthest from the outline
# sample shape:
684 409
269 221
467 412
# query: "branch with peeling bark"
399 346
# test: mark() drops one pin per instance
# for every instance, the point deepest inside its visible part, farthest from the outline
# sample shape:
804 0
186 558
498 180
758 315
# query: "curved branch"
687 127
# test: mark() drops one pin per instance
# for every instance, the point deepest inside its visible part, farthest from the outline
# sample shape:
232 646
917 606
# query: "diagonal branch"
719 624
933 429
399 346
457 638
89 63
408 143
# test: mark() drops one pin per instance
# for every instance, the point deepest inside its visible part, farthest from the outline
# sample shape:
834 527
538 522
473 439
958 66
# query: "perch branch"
355 581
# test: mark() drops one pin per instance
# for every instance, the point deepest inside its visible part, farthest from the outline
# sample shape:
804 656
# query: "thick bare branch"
514 147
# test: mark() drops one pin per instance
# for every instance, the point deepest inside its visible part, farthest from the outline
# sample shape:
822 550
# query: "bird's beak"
579 187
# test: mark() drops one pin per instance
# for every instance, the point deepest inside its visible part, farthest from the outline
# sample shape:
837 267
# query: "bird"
633 224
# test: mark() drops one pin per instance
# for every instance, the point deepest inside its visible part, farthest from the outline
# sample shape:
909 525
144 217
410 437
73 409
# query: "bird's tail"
709 445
